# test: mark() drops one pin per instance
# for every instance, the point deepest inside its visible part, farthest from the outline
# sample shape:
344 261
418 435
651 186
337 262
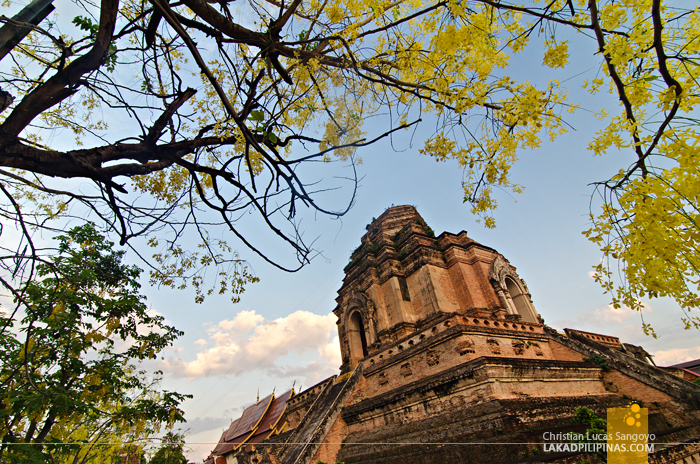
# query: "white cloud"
243 322
609 318
249 342
612 315
675 355
331 351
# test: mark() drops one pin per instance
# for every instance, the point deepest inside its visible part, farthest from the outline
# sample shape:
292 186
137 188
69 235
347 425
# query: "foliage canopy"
68 375
171 450
218 103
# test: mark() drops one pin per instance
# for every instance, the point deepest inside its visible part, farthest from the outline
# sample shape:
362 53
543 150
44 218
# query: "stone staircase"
307 437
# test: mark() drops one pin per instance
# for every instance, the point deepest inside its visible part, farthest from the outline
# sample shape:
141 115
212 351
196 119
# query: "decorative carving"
382 379
361 303
500 313
538 350
457 401
406 369
499 271
465 346
371 312
432 357
494 346
518 347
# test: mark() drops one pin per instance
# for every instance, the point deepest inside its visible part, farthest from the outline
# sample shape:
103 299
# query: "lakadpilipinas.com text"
597 443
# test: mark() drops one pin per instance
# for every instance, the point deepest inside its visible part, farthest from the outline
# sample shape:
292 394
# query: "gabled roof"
257 422
250 420
272 422
219 449
274 413
687 364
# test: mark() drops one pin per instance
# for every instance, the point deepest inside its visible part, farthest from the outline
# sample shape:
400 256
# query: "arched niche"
357 338
356 329
512 291
520 300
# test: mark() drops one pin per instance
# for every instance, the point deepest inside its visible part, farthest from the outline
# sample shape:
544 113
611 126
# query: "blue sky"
282 330
539 231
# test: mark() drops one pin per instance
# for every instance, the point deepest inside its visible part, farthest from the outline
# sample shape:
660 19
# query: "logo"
628 435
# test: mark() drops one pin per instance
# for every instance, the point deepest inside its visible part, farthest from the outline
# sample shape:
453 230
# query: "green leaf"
84 300
85 24
257 115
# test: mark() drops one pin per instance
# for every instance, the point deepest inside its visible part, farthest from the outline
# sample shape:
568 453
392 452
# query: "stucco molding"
499 271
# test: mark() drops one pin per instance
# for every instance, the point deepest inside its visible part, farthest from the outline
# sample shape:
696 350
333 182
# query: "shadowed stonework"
446 360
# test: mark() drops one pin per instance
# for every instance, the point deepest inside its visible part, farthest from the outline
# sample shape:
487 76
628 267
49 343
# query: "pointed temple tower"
445 359
402 278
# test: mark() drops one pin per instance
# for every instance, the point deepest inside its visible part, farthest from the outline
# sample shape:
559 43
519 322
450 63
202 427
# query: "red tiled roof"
230 433
250 420
271 423
218 450
274 413
257 422
223 448
687 364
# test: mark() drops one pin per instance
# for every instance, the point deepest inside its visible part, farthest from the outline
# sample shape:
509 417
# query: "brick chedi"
402 278
444 357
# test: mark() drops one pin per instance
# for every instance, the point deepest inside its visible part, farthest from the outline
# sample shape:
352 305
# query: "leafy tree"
171 450
200 152
68 375
222 142
649 224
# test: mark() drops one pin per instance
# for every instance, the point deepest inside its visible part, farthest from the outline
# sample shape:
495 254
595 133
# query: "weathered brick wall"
685 392
619 383
564 353
332 443
298 405
474 382
449 342
485 432
680 454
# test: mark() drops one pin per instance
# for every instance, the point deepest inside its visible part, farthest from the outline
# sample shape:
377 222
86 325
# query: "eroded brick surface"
458 367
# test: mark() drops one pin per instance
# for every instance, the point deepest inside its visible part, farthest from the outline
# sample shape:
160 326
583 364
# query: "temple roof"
257 422
692 366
